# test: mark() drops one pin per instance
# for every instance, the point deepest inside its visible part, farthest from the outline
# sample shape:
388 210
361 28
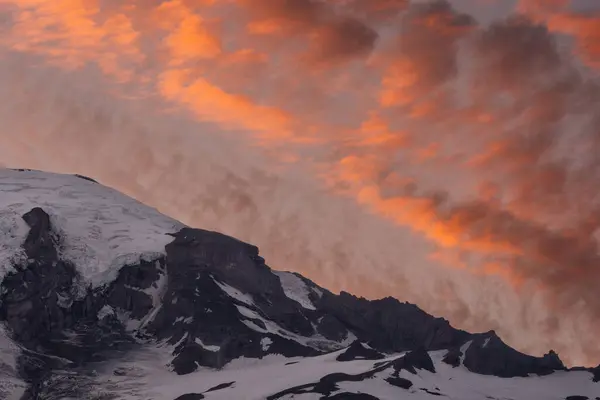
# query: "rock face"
488 354
45 308
212 299
389 325
358 351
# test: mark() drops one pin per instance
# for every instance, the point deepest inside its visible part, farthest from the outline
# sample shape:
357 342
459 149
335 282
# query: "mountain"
102 298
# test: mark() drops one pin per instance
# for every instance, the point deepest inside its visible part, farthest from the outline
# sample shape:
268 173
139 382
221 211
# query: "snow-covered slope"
273 376
106 229
11 387
103 298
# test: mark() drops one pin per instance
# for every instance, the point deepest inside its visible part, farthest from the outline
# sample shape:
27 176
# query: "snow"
253 326
271 371
295 288
266 343
207 346
255 379
11 387
156 292
463 350
315 341
459 383
235 294
105 312
101 229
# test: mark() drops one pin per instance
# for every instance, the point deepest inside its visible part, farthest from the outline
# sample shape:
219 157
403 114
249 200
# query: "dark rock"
352 396
416 359
40 300
86 178
192 356
576 398
596 373
51 315
489 355
430 392
221 386
452 357
388 325
331 328
199 263
223 326
399 382
237 264
190 396
126 292
328 384
356 351
39 244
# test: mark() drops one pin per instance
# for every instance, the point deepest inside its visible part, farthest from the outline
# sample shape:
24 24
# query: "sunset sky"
446 153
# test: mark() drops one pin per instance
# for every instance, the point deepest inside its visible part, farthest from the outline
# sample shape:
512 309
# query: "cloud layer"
383 147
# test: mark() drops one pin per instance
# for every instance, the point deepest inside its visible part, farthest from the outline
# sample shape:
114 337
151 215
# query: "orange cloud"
212 104
477 138
374 131
332 37
189 39
585 28
111 44
424 55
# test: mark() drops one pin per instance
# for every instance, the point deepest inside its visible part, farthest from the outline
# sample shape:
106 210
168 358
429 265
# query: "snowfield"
252 379
102 229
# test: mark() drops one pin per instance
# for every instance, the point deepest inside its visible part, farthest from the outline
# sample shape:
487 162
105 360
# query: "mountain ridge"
211 299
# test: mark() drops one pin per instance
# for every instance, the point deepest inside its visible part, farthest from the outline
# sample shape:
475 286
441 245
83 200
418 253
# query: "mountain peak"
206 305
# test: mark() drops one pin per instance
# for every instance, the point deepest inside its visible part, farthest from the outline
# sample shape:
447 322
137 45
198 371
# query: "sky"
444 152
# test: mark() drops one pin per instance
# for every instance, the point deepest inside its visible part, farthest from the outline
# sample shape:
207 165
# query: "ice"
295 289
236 294
463 350
101 229
207 346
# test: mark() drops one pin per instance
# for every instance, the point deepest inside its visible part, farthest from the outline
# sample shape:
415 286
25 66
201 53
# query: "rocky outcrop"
452 357
489 355
595 373
331 328
357 351
399 382
205 320
190 396
86 178
389 325
413 360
